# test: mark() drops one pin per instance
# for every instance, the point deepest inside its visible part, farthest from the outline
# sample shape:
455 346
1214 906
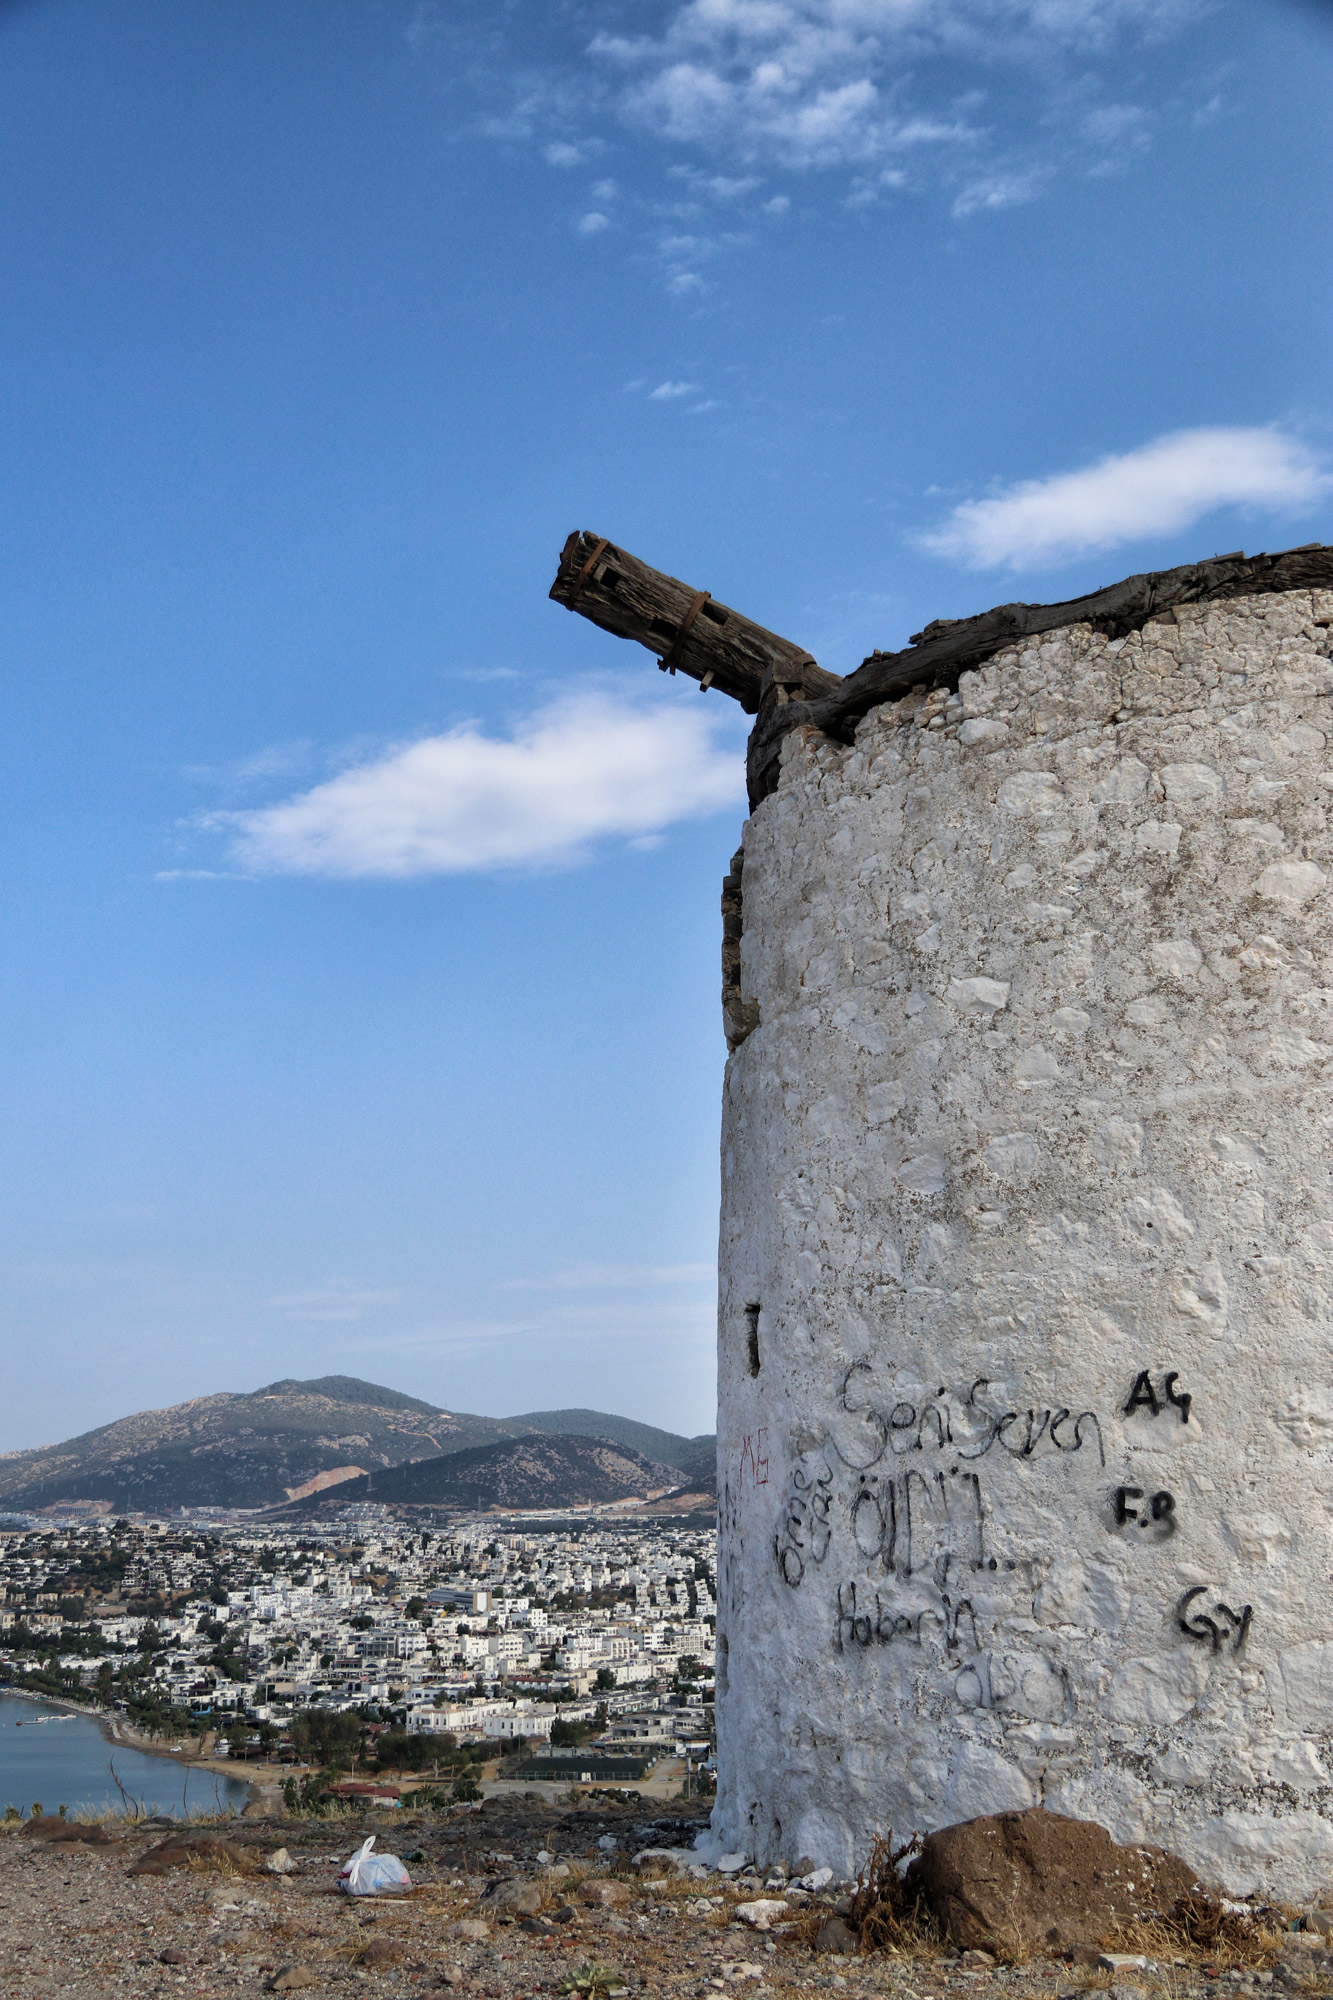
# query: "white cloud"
586 770
592 224
997 190
667 392
716 187
890 94
1157 490
820 82
199 875
279 760
1116 125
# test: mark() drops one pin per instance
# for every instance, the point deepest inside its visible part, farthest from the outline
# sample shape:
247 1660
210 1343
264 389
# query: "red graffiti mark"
753 1452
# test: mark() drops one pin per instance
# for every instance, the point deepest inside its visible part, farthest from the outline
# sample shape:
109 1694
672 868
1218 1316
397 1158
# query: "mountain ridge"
696 1456
259 1448
539 1471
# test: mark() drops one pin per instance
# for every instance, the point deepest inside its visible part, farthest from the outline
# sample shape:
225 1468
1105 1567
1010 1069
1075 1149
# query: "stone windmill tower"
1025 1326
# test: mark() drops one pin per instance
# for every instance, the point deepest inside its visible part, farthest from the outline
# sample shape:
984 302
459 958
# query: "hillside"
534 1471
696 1457
262 1448
239 1450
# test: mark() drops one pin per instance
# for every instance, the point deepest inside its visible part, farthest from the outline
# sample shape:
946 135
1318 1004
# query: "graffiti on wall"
895 1491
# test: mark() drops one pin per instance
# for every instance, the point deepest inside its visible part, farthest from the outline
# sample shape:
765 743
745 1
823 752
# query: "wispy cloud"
820 83
618 1277
584 771
986 102
1159 489
201 875
339 1300
998 190
668 392
679 1321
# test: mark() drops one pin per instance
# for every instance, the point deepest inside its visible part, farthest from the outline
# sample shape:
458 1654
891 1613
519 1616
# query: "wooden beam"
782 686
688 629
948 646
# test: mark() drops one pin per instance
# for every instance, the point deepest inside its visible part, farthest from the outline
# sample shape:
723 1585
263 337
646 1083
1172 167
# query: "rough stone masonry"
1025 1371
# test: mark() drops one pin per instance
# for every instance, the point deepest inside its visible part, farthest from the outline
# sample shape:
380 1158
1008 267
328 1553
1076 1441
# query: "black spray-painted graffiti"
908 1519
855 1626
901 1518
730 1570
1160 1512
804 1532
969 1429
1144 1397
1224 1626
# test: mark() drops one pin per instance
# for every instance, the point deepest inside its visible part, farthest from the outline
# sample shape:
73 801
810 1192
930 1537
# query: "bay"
49 1755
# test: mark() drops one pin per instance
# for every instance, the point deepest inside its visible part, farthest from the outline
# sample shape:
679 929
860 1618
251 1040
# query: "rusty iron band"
585 572
668 664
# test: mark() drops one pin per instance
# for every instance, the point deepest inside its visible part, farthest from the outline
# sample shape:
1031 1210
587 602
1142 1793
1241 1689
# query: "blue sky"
359 992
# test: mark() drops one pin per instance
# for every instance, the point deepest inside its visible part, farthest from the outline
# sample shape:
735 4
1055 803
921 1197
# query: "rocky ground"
519 1898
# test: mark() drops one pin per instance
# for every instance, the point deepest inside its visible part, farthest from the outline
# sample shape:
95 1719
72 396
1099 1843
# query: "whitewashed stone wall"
1026 1384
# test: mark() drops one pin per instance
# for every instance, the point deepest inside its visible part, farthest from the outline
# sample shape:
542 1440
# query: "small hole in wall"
752 1338
723 1649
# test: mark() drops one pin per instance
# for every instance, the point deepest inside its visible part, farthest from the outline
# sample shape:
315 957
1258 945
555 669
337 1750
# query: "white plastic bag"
368 1874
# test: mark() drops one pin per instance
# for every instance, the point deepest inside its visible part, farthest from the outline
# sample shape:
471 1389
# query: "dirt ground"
74 1922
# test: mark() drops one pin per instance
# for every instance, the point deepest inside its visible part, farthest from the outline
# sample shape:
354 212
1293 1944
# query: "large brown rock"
199 1850
49 1826
1038 1881
512 1899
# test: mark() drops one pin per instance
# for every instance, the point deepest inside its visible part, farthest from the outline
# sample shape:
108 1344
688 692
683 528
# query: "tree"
401 1750
606 1678
569 1735
326 1736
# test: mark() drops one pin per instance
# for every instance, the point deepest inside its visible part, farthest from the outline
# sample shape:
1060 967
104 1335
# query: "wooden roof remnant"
781 685
691 632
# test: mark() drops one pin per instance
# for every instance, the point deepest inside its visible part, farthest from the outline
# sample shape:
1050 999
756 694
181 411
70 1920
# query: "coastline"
55 1701
258 1777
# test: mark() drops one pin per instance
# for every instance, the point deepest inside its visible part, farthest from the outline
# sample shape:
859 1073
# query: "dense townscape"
581 1643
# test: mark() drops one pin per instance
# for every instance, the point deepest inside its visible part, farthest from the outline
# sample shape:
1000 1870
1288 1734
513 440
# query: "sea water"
62 1759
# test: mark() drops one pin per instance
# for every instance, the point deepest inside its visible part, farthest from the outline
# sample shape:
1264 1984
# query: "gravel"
75 1926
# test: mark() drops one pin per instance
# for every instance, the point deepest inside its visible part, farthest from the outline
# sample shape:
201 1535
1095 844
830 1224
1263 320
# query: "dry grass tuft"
1010 1947
217 1864
240 1864
1202 1931
887 1915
